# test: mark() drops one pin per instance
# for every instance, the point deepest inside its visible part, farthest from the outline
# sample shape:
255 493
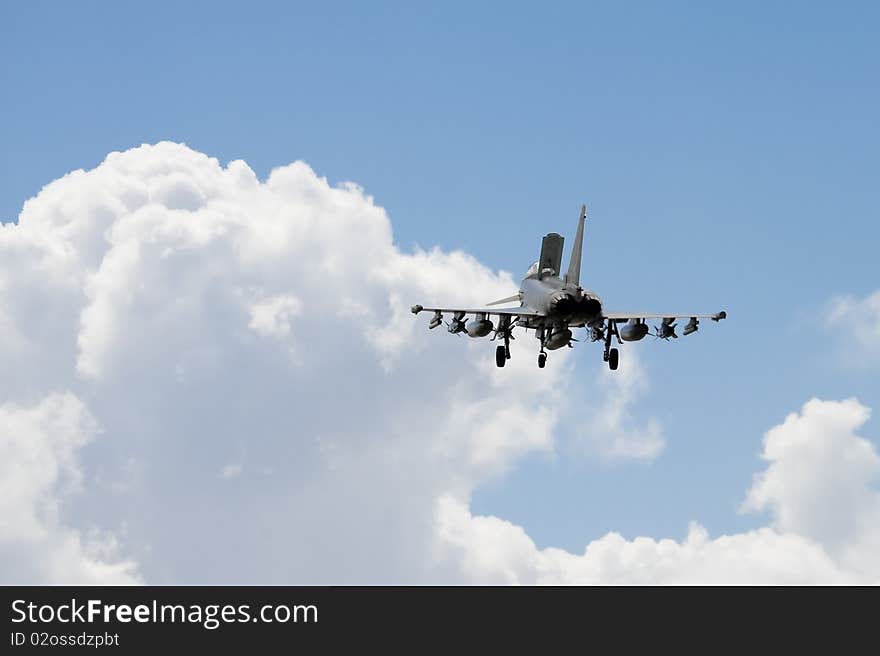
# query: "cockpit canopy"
533 271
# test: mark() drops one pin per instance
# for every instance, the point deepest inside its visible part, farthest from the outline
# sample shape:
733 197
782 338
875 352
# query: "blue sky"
728 154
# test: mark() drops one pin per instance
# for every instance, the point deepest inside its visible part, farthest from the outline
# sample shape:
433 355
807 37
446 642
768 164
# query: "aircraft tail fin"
574 265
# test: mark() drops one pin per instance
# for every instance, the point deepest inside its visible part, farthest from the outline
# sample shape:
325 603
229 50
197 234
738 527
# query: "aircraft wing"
511 312
624 316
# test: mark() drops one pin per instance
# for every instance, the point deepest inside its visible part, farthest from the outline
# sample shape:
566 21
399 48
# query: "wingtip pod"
415 309
718 316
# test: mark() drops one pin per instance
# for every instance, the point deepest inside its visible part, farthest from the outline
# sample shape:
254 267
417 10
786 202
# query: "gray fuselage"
564 303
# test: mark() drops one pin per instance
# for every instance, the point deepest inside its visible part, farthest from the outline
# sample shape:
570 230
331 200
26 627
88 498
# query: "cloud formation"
39 471
859 320
819 488
218 379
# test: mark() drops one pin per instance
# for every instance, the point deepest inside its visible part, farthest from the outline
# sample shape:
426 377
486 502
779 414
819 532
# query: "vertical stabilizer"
574 266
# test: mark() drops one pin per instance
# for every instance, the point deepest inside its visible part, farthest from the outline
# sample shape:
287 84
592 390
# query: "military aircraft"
552 305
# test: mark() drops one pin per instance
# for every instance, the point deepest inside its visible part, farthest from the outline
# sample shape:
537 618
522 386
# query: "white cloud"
818 487
39 472
605 422
819 483
858 320
491 550
232 470
169 294
273 317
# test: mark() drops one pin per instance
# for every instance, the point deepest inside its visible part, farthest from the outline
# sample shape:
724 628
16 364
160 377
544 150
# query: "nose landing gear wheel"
613 359
542 360
500 355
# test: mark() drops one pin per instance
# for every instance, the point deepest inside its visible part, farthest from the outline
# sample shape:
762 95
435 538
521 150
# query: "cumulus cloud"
270 410
272 317
818 487
859 320
607 425
39 472
820 482
491 550
248 349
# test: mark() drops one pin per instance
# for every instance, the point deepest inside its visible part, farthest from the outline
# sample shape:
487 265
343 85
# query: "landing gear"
613 358
505 331
611 355
542 360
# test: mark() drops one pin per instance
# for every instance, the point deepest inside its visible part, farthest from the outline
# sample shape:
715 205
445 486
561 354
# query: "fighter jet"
552 303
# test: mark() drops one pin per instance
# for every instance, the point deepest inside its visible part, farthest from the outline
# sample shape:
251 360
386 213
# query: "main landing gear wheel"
542 360
500 355
613 359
